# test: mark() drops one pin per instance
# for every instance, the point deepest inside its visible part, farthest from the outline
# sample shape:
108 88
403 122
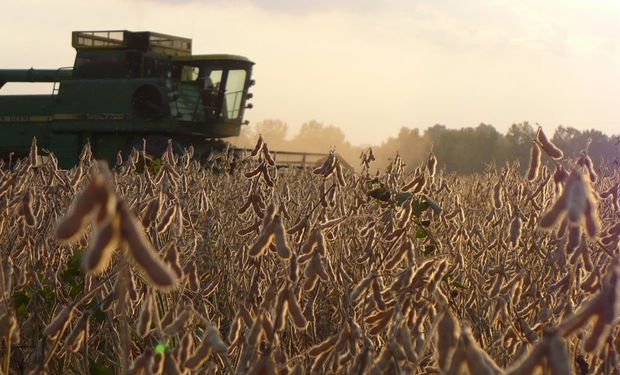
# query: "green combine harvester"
126 87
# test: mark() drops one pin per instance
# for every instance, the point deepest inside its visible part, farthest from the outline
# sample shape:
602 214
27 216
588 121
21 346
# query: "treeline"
464 151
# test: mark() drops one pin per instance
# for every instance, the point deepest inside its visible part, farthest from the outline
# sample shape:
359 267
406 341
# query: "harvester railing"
292 159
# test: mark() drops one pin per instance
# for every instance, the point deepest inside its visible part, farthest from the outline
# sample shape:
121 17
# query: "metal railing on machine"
292 159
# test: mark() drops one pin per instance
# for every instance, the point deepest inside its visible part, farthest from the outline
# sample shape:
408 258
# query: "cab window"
213 81
189 73
235 84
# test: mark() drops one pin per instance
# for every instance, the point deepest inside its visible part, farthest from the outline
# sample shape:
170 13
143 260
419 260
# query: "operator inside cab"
213 98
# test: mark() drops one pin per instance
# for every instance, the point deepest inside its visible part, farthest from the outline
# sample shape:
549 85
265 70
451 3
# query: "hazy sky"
372 67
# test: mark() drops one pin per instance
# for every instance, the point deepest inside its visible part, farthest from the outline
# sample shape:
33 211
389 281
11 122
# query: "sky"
371 67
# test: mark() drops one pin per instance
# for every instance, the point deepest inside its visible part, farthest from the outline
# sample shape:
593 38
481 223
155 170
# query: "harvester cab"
125 87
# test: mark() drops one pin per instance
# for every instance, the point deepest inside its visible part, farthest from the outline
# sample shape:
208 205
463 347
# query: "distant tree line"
464 151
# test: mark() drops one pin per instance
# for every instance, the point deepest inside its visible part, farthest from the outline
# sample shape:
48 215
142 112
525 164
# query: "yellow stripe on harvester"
66 117
26 118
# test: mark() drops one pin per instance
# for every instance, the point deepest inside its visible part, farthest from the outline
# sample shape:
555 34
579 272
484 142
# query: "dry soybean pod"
138 246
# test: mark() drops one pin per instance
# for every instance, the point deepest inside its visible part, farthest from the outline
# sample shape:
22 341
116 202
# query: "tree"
519 141
274 133
410 146
573 142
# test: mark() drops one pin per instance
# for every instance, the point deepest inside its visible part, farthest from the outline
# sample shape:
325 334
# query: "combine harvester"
126 88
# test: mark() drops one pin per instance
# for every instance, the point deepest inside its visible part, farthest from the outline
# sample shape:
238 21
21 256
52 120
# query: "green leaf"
402 197
68 277
458 285
429 249
419 207
155 166
96 312
99 369
446 277
72 273
75 260
434 205
76 290
421 233
48 294
21 301
382 194
161 347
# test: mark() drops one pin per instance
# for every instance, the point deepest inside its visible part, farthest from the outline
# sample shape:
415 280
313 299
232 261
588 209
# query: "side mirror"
252 82
249 96
249 106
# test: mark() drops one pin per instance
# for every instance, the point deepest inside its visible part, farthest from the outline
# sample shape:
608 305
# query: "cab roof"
212 57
